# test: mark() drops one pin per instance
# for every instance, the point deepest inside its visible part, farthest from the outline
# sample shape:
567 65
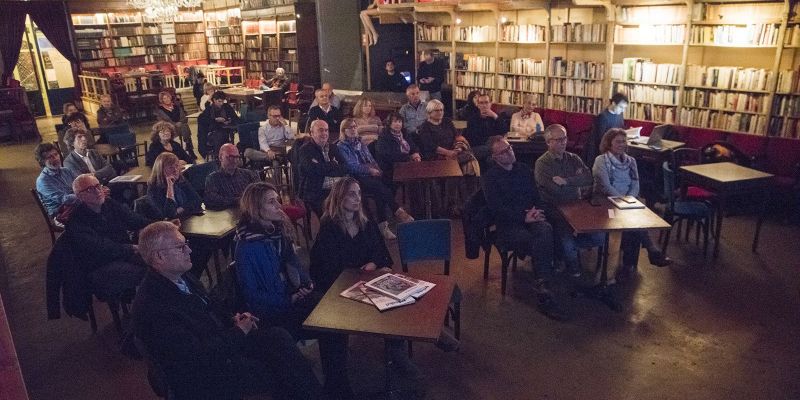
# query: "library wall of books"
732 66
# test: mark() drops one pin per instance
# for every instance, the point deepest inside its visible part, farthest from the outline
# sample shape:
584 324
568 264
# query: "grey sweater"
613 177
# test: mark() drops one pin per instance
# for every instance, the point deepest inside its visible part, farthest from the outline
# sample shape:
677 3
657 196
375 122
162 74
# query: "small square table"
213 225
425 171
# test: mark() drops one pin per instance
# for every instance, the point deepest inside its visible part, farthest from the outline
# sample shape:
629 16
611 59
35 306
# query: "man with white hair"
321 164
332 97
279 81
324 110
206 354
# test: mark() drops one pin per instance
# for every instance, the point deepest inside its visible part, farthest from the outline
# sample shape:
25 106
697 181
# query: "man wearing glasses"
225 186
97 232
274 133
561 177
522 226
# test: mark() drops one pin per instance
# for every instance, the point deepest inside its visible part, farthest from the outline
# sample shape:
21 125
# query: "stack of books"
388 291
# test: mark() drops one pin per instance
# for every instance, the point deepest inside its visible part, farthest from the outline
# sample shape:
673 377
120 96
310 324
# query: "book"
625 202
393 286
359 292
126 178
633 133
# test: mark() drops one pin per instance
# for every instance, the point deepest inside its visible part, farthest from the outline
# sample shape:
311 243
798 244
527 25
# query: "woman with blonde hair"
369 124
170 194
208 91
168 111
162 139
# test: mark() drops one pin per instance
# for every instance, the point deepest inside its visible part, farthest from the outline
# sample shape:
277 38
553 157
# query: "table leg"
760 220
428 213
718 228
609 254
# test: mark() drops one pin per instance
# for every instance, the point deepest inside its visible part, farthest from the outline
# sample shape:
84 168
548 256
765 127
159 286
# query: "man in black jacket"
320 166
325 111
514 202
203 355
220 117
481 126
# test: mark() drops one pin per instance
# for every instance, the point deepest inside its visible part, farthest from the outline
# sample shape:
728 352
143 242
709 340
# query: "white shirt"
271 135
526 125
203 100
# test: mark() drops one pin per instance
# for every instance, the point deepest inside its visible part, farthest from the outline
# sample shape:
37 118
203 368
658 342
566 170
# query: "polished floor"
700 329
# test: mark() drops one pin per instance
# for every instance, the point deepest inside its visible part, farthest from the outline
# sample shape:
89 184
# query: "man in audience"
611 117
83 160
109 113
54 183
333 99
325 111
561 176
514 203
430 74
216 118
413 112
481 126
321 165
98 233
225 186
206 353
275 132
390 80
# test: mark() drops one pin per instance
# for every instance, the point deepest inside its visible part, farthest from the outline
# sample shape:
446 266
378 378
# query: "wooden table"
586 218
650 160
144 173
106 150
425 171
727 179
421 321
213 225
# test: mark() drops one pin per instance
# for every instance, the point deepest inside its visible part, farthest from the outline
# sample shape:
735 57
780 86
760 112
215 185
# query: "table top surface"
242 91
586 218
725 172
106 149
409 171
421 321
666 145
458 124
212 224
143 171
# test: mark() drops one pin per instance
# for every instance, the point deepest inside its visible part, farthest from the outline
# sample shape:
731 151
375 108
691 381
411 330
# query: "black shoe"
549 308
659 259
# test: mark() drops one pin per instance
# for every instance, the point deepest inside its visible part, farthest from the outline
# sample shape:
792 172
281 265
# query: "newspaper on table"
388 291
363 294
126 178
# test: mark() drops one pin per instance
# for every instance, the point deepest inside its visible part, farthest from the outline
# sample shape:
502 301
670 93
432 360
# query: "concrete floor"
726 329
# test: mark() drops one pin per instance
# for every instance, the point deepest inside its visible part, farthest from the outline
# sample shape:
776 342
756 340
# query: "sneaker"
447 342
402 216
387 234
659 259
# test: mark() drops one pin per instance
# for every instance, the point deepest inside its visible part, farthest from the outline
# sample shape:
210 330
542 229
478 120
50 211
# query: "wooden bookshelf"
224 39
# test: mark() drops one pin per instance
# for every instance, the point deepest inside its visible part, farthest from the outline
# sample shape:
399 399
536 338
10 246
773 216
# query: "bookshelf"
224 38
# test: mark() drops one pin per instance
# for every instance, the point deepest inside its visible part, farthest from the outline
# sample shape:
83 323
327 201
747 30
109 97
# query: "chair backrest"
122 139
197 174
243 109
424 240
50 225
248 136
280 176
685 156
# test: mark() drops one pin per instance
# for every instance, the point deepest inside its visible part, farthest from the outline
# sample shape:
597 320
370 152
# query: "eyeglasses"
95 188
182 247
560 140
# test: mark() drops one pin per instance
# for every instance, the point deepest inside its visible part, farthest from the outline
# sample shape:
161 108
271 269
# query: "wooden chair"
54 229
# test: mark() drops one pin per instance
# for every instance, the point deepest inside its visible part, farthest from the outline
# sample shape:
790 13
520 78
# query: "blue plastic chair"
424 240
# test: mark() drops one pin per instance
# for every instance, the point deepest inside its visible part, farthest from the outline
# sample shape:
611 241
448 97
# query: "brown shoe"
402 216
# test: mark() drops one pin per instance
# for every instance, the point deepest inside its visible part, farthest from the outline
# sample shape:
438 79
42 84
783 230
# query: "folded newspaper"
376 291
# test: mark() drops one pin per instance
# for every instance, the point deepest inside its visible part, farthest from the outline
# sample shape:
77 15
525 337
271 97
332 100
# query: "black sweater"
157 148
314 169
480 129
387 151
510 193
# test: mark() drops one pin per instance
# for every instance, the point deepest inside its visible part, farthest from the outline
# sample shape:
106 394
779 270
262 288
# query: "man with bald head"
225 186
98 234
561 176
332 97
325 110
321 165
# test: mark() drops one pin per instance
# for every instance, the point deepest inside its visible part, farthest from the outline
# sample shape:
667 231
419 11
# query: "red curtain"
12 25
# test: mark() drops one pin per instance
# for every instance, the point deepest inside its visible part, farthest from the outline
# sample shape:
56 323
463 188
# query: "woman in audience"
169 193
162 139
83 160
526 122
394 145
369 124
360 164
615 174
208 91
275 285
170 112
69 109
470 107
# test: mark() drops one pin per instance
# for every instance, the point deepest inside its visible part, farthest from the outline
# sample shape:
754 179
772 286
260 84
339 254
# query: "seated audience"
615 174
225 186
83 160
369 125
215 118
325 111
198 81
168 111
169 192
360 164
390 80
69 109
414 112
279 81
483 125
205 353
162 139
394 145
275 132
98 233
205 99
54 183
276 286
561 176
321 165
109 114
518 214
333 99
470 107
526 122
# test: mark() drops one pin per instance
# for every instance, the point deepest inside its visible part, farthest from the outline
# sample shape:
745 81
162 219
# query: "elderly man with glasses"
275 132
98 234
225 186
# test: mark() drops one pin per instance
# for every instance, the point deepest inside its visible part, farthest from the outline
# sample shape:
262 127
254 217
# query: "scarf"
626 164
404 146
255 232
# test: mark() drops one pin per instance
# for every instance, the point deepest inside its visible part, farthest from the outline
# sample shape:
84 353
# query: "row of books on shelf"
92 54
661 34
91 44
129 51
227 55
90 33
226 48
474 62
269 41
253 66
523 33
142 30
433 32
752 35
193 38
734 122
224 39
289 55
475 79
577 69
580 88
788 129
288 41
196 27
460 92
792 36
153 40
634 69
116 18
579 33
485 33
648 94
737 78
521 83
101 63
575 104
728 101
128 41
651 112
737 12
89 19
786 106
258 4
226 30
251 43
517 98
522 66
287 26
267 55
191 48
640 15
231 21
290 67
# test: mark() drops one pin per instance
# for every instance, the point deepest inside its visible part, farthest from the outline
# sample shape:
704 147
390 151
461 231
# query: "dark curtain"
52 20
12 25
